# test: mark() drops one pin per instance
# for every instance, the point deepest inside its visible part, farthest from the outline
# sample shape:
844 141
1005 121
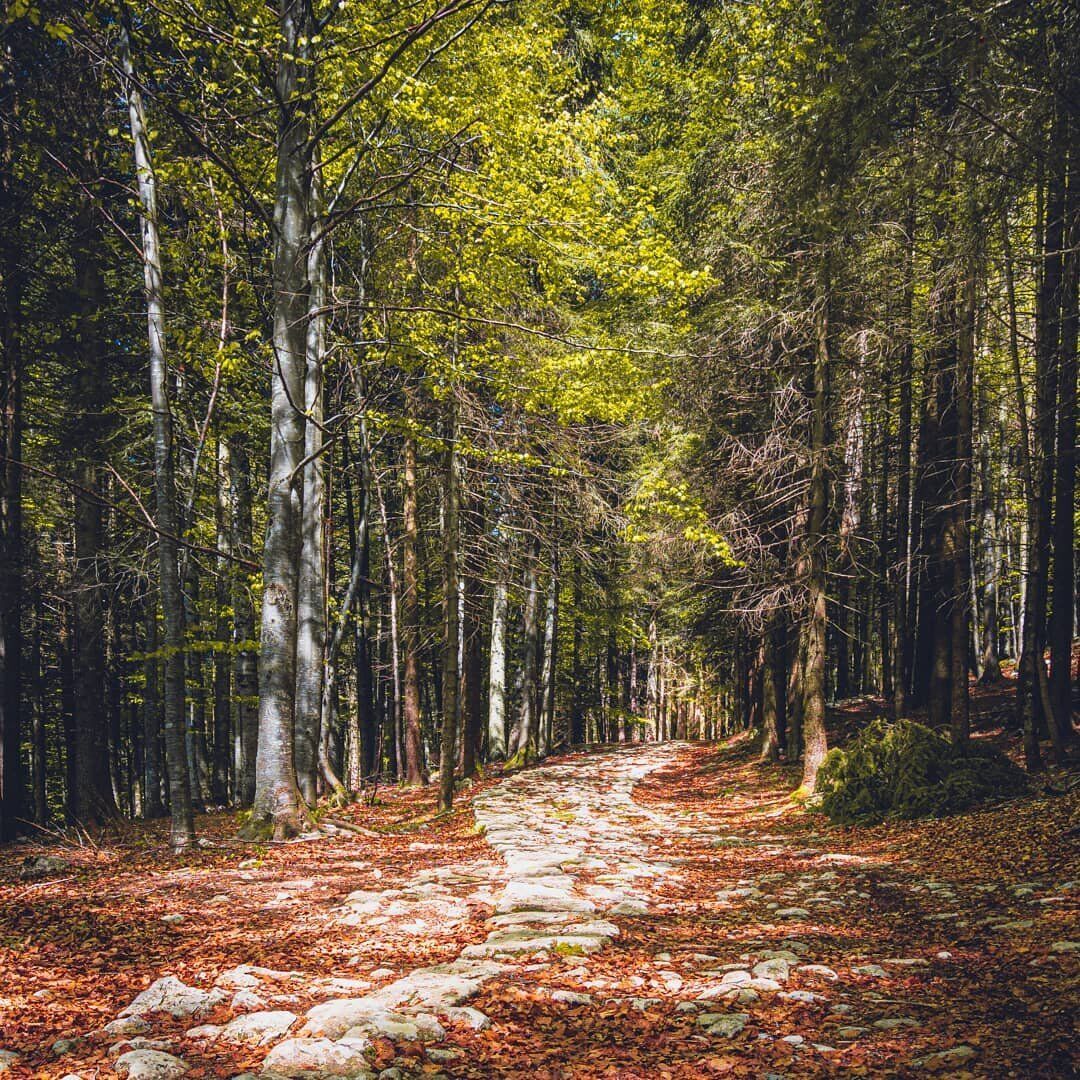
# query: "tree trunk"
39 765
577 705
496 727
183 829
222 673
525 744
551 659
153 806
901 615
1064 538
277 808
452 619
473 728
245 662
311 590
989 552
91 797
815 742
960 518
410 621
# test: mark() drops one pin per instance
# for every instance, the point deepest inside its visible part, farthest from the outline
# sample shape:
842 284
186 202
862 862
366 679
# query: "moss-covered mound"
905 770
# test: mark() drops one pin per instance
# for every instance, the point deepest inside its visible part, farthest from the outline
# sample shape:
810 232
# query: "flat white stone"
258 1028
150 1065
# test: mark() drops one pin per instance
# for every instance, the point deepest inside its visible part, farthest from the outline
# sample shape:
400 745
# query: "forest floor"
649 911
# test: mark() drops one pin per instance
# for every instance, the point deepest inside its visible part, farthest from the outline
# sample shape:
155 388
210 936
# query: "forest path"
649 911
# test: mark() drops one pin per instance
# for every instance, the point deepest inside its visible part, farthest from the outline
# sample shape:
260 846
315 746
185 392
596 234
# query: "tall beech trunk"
277 808
245 660
577 676
311 589
183 828
366 727
452 618
410 619
815 742
222 668
990 556
551 658
357 572
473 674
496 726
525 743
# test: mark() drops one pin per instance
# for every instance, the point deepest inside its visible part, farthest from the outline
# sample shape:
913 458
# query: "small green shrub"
903 770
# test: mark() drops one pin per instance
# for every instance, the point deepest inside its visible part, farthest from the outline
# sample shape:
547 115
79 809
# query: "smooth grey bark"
245 661
525 743
577 672
496 723
452 604
311 591
277 808
367 718
222 667
990 554
410 620
183 828
551 658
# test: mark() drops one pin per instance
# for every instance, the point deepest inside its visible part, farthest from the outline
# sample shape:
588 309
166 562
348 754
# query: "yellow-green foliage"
905 770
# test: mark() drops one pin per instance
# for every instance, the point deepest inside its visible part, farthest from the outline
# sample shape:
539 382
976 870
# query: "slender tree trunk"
901 616
277 807
577 705
183 829
525 744
222 634
813 718
1064 534
366 727
245 661
551 659
473 727
410 620
497 662
39 735
960 519
989 551
91 797
452 607
311 591
153 771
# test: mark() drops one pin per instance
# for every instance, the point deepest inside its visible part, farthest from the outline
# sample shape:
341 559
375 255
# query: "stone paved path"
739 937
549 825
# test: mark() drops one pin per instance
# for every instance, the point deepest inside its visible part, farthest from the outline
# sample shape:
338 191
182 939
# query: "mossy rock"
903 770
